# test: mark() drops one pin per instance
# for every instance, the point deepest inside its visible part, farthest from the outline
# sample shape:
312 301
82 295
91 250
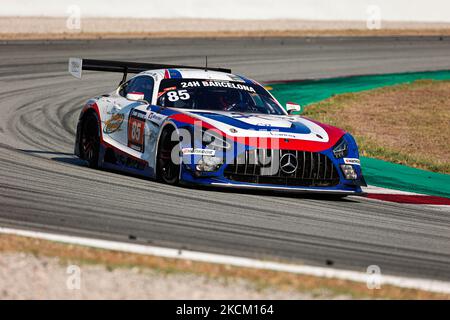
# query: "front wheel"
90 141
168 171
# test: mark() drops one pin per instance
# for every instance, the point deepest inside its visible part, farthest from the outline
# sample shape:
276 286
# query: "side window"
123 89
142 84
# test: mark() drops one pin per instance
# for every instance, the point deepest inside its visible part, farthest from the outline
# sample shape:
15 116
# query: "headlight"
341 149
209 163
349 172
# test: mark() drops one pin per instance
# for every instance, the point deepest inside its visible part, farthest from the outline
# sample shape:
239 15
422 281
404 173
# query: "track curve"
43 187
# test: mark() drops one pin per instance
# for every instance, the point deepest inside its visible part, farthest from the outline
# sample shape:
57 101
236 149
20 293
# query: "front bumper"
221 182
314 172
288 189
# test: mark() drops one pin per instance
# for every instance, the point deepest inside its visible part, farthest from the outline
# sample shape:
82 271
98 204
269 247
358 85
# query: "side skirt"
116 160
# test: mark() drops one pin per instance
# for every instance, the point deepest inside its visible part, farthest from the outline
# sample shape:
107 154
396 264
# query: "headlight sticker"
341 149
198 152
354 161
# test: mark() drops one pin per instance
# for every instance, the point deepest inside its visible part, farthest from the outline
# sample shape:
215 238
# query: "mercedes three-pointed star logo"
288 163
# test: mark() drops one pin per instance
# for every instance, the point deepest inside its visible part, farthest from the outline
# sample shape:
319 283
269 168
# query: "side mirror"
292 107
135 96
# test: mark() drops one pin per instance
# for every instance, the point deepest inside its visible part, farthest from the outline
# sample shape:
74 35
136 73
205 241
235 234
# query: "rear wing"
77 65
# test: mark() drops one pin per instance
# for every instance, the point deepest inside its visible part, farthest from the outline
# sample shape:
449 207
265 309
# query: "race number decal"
177 95
136 127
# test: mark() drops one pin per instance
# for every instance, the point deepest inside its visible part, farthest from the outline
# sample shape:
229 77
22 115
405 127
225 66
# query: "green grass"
331 111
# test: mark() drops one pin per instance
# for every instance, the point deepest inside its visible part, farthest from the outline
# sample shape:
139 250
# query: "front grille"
313 169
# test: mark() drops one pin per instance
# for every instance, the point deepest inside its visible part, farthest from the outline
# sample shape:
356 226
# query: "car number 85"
177 95
136 131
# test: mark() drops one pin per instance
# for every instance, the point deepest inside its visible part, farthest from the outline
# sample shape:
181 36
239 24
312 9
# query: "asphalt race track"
44 187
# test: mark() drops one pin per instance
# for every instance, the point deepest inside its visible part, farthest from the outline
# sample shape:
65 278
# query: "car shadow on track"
64 157
45 152
74 161
276 193
70 159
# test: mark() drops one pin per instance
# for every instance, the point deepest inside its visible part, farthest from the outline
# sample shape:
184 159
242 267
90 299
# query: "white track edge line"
404 282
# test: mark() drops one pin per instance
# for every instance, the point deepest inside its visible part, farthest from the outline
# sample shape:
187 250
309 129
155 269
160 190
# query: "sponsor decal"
156 117
138 114
190 84
75 67
136 127
113 124
198 152
221 84
354 161
281 134
165 90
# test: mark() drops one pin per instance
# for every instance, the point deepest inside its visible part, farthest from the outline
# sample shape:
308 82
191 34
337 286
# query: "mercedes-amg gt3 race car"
207 126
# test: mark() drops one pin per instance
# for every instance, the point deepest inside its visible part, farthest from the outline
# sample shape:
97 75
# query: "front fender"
90 106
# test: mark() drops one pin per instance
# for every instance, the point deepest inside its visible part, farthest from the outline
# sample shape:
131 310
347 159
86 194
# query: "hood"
296 132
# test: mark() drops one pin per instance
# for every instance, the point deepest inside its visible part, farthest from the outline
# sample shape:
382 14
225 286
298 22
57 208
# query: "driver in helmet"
230 99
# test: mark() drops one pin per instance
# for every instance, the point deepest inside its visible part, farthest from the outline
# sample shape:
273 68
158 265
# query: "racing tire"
90 140
167 170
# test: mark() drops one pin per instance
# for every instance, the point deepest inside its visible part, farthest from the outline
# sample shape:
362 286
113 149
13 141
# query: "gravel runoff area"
26 276
31 268
46 27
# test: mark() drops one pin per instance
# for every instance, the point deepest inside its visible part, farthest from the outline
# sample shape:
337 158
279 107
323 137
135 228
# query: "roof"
186 73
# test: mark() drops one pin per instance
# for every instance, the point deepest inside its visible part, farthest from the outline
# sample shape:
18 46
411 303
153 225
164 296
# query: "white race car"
207 126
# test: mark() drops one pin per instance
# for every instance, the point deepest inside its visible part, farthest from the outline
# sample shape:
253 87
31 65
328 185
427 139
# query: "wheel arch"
92 110
168 125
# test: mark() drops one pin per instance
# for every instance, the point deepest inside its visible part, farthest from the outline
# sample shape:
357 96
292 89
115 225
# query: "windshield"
216 95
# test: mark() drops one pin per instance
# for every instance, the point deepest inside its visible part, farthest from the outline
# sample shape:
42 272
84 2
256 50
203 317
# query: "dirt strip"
24 28
25 276
39 269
